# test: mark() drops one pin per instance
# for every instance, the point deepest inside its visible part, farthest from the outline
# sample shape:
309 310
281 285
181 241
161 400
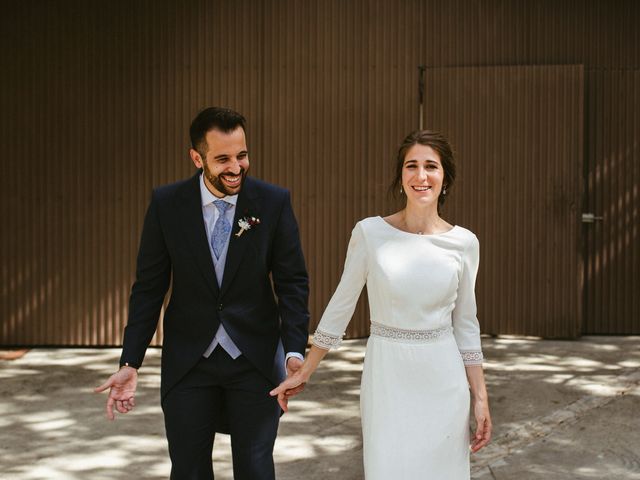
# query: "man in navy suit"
230 247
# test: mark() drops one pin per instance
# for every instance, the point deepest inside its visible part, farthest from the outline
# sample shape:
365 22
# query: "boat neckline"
417 234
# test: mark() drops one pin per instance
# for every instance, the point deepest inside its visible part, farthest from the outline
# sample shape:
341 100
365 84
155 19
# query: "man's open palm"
122 391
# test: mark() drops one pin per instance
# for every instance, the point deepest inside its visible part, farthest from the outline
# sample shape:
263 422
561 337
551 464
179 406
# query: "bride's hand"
483 422
288 388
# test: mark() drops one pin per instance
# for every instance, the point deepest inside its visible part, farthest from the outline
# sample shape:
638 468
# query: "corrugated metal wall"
517 133
612 243
340 93
96 102
96 99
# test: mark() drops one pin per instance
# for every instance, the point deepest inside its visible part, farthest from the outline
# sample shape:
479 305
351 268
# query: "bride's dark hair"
440 144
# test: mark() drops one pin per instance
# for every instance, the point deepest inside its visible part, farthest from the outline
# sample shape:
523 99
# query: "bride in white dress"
424 352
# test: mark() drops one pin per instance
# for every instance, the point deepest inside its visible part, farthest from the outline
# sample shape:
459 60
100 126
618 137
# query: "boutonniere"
246 223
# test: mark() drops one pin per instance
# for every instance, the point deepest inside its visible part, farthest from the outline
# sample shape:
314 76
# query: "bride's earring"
444 190
401 190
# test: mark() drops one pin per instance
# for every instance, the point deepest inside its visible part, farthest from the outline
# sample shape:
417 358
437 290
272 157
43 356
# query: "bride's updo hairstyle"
440 144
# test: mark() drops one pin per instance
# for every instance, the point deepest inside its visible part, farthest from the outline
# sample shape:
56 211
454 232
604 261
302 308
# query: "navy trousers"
216 384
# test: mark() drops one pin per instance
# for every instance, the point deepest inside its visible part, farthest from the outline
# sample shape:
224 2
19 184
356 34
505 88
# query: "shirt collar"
208 197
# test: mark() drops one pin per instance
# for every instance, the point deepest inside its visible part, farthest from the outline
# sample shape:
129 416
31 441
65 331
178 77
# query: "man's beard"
218 184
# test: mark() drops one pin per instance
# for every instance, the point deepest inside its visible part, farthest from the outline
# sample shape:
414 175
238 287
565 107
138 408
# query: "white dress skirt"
415 396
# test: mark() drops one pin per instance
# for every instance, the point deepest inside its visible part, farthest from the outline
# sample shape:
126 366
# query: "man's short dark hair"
223 119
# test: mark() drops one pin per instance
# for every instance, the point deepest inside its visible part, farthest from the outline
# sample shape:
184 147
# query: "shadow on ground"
561 409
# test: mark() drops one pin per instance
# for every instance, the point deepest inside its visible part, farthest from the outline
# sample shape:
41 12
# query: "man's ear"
196 158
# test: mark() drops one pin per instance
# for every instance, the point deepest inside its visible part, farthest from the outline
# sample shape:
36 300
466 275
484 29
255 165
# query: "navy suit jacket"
262 301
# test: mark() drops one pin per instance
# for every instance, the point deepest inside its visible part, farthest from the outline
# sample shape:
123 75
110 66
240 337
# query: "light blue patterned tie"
221 229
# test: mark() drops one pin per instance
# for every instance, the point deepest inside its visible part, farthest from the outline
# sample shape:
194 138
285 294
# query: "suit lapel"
247 206
195 231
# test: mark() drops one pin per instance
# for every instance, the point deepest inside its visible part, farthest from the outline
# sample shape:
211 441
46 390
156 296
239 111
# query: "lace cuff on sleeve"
326 340
471 357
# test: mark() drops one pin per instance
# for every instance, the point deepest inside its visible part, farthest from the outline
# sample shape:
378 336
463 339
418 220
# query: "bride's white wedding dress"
415 396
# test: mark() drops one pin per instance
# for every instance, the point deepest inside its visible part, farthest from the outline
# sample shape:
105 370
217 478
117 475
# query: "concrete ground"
561 410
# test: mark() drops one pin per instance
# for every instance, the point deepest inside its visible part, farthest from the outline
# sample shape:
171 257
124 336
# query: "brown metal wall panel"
96 99
506 32
340 92
517 132
612 244
98 114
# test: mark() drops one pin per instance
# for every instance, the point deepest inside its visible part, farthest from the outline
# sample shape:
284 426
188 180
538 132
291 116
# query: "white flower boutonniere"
246 223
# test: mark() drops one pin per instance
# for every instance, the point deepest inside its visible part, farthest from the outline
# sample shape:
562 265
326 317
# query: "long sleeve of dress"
340 309
466 328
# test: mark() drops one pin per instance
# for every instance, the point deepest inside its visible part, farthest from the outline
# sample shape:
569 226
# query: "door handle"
590 218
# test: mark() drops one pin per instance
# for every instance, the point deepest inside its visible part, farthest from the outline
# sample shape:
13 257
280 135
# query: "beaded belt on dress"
404 335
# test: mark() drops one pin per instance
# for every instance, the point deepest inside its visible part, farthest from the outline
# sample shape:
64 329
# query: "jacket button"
219 307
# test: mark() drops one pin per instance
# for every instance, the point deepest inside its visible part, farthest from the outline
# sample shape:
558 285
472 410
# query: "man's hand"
122 386
292 385
293 365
